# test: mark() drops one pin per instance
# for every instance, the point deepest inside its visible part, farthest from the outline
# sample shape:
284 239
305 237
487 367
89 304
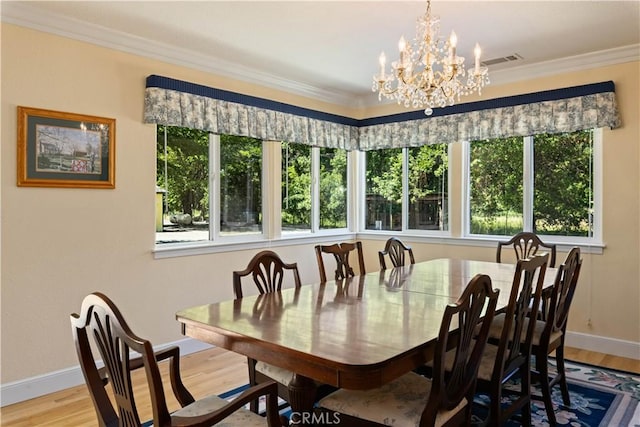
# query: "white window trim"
272 237
593 244
405 231
314 229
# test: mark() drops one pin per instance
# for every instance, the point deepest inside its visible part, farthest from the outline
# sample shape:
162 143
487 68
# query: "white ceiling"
329 49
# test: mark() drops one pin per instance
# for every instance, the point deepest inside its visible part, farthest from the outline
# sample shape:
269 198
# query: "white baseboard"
605 345
19 391
41 385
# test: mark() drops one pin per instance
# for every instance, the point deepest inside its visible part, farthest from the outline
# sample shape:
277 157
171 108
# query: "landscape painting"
58 149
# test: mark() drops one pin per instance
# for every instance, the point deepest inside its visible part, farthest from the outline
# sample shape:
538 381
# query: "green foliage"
187 174
562 184
495 173
428 167
384 188
187 189
384 174
563 169
333 188
240 181
296 185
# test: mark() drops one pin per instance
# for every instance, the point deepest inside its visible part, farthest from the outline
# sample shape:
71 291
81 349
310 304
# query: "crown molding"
23 14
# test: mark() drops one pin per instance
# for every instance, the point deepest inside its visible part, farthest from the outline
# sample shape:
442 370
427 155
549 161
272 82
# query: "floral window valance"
178 103
554 111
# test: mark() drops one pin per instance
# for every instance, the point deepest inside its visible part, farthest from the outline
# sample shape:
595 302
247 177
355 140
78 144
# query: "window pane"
296 187
333 188
384 190
240 185
428 187
182 181
563 184
495 175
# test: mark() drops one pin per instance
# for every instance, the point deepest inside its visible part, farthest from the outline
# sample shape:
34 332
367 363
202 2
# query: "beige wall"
60 244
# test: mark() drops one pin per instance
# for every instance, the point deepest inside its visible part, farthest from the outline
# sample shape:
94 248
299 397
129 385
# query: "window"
240 192
416 178
333 188
383 189
300 165
428 188
182 181
495 176
210 187
189 210
545 184
296 187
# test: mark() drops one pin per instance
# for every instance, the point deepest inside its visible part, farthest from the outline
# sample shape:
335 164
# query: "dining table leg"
302 393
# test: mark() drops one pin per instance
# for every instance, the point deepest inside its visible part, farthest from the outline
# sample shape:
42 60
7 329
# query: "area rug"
599 397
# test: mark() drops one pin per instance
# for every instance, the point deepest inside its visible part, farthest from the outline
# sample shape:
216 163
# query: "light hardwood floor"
207 372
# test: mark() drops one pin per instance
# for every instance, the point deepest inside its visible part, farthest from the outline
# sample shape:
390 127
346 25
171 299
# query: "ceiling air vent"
509 58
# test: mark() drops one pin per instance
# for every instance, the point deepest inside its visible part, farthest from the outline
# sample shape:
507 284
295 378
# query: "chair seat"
240 418
498 323
398 403
485 369
279 375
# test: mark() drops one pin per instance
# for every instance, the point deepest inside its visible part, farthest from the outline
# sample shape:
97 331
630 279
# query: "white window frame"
271 234
528 176
315 229
215 196
362 170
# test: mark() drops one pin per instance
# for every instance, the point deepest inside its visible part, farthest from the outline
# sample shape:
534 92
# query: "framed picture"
57 149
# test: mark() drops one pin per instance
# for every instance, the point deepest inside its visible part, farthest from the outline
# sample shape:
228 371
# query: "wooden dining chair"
395 250
549 335
414 400
122 352
340 252
511 354
267 270
526 244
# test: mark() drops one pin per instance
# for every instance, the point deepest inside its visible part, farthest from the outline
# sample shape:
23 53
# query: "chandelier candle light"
428 73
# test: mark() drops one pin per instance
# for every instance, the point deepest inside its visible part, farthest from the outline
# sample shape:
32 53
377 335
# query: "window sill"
479 241
172 250
209 247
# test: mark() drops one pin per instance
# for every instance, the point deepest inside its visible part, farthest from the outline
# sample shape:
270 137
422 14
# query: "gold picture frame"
58 149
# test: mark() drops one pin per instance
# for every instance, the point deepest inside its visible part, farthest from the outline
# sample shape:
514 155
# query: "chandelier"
428 73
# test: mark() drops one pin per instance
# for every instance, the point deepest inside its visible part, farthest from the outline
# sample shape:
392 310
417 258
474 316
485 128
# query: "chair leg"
542 366
495 406
525 382
254 404
561 374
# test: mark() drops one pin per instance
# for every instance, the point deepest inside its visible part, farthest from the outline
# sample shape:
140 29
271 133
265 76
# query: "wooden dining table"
358 333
